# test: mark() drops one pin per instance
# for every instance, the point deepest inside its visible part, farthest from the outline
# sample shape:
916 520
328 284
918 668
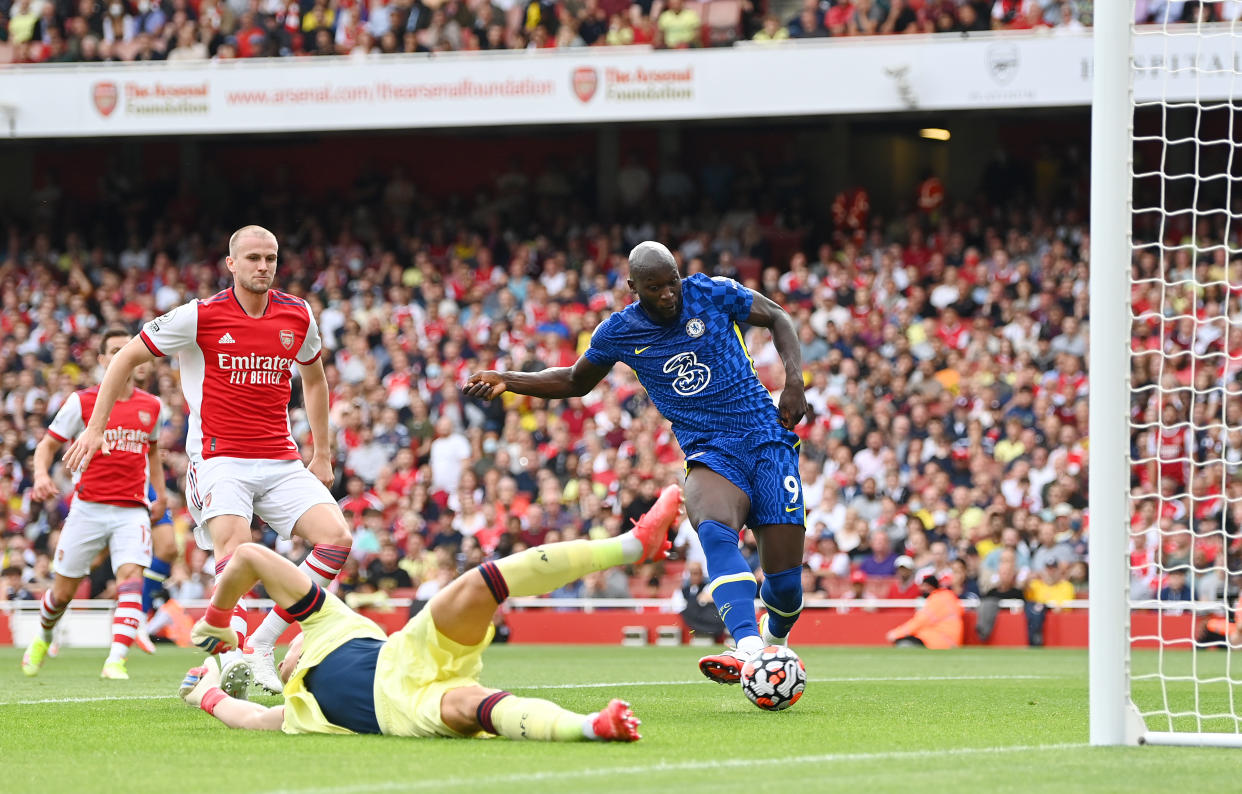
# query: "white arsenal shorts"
277 491
91 527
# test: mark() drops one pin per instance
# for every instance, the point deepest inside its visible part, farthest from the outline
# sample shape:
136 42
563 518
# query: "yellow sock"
544 568
531 718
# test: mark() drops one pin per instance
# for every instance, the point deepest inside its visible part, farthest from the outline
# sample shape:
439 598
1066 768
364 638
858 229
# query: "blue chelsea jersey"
167 517
696 369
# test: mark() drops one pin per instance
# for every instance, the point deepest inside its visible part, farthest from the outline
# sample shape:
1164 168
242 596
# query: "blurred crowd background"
943 338
59 31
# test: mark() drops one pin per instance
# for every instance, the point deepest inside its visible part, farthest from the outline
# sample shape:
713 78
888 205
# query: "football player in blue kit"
683 340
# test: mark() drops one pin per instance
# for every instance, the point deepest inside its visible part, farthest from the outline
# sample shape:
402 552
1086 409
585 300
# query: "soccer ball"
774 679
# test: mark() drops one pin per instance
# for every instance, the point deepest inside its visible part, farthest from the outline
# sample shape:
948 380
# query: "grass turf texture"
872 719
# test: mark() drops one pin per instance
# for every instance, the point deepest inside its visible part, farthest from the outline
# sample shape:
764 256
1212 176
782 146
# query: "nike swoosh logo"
791 509
638 350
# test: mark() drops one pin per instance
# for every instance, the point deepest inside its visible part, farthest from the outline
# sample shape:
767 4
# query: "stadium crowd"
944 350
38 31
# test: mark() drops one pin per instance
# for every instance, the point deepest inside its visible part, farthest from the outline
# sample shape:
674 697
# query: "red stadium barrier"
856 626
824 627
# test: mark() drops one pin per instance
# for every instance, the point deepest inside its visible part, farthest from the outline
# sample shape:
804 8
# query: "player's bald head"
649 258
248 231
655 280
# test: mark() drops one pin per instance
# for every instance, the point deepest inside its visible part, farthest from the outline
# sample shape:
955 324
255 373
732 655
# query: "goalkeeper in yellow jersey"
343 675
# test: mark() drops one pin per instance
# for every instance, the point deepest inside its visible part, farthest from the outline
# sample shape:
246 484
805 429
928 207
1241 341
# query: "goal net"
1180 518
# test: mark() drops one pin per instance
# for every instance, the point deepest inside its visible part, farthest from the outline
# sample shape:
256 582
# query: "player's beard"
254 285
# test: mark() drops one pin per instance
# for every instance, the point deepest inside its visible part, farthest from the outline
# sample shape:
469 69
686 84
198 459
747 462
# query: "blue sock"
153 581
782 595
732 583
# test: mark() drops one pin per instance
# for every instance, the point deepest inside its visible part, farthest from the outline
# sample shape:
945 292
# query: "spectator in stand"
358 498
974 15
679 26
1011 547
385 571
773 30
119 25
188 47
867 19
963 584
904 584
883 561
448 456
1176 588
1005 587
937 564
620 31
1048 550
37 578
1048 590
808 25
22 22
856 591
812 586
368 537
699 612
592 22
828 559
11 587
903 18
1066 20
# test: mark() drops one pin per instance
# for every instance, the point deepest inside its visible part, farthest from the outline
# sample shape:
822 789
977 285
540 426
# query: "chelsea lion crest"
695 328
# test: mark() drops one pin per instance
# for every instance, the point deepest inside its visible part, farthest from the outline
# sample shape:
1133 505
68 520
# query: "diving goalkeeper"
343 675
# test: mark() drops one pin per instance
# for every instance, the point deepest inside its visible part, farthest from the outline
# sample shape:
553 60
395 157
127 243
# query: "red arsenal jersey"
1172 447
120 477
236 371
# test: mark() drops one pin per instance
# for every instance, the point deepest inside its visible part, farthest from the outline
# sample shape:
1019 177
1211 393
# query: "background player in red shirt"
109 507
236 352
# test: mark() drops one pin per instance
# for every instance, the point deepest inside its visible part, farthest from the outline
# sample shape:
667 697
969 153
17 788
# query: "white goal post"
1165 397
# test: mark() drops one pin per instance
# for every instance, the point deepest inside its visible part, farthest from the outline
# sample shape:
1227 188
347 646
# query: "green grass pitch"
872 719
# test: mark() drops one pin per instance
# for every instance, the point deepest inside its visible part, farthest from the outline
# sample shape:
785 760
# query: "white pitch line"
635 772
607 685
856 680
85 700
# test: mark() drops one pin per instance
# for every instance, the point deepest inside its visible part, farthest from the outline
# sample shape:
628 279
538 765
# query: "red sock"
325 562
128 612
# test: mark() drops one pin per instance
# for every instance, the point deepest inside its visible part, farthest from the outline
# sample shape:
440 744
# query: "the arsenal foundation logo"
105 96
585 81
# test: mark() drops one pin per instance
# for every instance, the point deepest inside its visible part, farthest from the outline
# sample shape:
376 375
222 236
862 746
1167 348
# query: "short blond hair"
245 230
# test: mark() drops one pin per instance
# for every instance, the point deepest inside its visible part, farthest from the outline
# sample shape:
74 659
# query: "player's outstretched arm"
201 689
552 383
766 313
91 439
249 716
44 486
